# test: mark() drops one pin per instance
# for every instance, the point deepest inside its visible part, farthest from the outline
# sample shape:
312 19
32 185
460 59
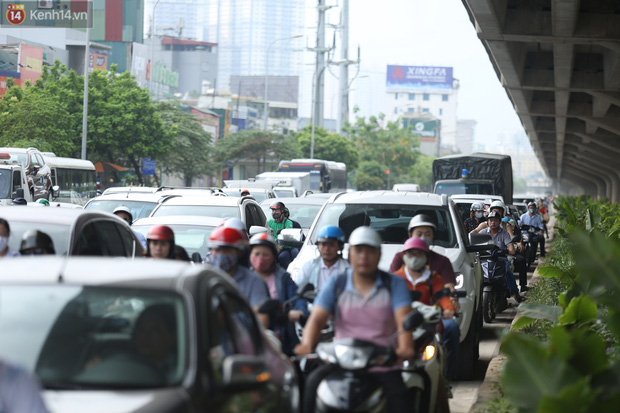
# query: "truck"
298 180
13 182
478 173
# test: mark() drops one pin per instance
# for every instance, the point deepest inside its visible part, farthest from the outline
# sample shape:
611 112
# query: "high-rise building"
254 37
465 129
178 18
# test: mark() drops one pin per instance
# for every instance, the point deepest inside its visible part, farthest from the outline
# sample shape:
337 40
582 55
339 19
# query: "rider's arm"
405 350
482 226
511 249
312 330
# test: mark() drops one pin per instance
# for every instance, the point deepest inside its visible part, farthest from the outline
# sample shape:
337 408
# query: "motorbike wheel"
487 306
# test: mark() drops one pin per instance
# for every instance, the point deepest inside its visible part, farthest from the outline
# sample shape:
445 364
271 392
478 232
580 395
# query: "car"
244 208
521 207
303 210
406 187
125 189
463 205
139 336
74 231
259 194
140 203
285 191
38 173
190 232
389 213
478 197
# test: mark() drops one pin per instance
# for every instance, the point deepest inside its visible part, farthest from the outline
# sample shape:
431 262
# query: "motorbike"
529 234
495 292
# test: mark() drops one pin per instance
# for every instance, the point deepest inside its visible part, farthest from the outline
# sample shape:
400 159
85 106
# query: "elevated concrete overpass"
559 61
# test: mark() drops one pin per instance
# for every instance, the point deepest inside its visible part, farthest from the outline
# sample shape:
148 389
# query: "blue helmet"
331 233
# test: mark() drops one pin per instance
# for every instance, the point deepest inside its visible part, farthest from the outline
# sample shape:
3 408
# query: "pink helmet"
415 243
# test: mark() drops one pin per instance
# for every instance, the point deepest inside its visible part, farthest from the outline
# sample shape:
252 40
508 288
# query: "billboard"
428 130
140 65
30 63
97 61
418 77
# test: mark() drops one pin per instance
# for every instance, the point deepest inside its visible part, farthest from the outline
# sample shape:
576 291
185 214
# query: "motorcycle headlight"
460 281
352 358
429 353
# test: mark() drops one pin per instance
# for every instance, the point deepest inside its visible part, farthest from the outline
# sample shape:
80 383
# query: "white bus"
76 178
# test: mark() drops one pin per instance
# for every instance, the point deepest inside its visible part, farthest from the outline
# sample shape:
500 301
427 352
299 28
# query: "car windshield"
464 188
198 210
304 214
22 158
139 209
257 195
58 233
5 183
284 193
192 238
391 221
77 337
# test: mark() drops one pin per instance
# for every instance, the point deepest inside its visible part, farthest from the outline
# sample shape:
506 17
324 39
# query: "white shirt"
327 273
425 276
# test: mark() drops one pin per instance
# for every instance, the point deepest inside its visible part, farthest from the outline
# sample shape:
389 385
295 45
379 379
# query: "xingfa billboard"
404 77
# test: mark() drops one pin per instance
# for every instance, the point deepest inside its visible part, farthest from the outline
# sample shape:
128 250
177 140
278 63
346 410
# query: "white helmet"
421 220
498 204
365 236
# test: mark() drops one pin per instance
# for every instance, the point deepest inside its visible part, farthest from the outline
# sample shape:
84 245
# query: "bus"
325 176
76 178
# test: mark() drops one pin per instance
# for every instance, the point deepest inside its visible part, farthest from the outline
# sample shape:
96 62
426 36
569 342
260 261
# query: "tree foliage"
328 146
192 145
257 145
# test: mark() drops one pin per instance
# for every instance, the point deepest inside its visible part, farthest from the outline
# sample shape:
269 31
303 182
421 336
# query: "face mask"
224 261
532 210
478 215
415 263
428 241
276 215
261 264
4 242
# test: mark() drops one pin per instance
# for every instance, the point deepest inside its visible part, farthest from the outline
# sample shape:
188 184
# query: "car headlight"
352 358
460 281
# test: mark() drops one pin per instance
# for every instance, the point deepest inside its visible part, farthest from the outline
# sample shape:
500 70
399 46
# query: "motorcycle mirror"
305 288
309 296
459 293
270 306
415 295
196 257
413 320
444 292
515 239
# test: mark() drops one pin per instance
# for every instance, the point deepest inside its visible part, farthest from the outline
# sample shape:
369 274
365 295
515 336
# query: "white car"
389 213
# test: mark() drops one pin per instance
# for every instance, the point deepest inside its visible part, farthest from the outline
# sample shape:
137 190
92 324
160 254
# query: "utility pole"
319 90
343 81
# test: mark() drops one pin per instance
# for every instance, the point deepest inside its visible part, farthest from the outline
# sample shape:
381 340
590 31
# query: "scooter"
495 291
529 233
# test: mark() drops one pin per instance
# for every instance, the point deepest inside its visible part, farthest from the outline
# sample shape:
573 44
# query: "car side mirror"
480 243
244 372
55 191
291 237
19 193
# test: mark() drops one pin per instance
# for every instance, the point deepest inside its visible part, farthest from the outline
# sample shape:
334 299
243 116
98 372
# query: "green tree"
257 145
421 172
369 176
328 146
192 152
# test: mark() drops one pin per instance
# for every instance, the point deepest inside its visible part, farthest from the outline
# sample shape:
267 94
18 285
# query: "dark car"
74 231
37 172
139 336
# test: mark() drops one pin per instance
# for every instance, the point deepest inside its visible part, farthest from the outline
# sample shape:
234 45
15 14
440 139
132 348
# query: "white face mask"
4 242
415 263
478 215
532 210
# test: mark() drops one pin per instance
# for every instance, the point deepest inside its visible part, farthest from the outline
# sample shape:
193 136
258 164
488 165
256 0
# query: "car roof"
17 150
179 220
204 200
295 201
132 189
390 197
477 197
140 273
62 216
133 196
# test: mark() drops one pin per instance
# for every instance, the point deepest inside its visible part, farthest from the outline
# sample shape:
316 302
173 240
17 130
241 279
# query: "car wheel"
467 353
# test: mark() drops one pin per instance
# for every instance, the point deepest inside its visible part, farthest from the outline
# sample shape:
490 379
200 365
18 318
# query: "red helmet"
277 205
161 233
228 237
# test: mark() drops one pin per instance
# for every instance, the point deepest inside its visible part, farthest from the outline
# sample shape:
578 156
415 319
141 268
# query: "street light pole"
85 107
265 103
312 117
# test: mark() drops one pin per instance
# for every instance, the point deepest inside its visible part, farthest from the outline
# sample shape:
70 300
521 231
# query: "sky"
421 33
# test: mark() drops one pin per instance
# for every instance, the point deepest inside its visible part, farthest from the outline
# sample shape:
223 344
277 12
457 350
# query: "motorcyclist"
366 309
419 277
36 243
533 219
476 216
287 215
502 239
160 242
330 241
124 213
228 245
263 254
5 234
277 223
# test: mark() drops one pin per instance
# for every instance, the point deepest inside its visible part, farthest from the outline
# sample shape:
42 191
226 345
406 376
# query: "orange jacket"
424 288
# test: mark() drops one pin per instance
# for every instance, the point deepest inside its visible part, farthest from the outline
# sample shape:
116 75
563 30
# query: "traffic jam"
288 292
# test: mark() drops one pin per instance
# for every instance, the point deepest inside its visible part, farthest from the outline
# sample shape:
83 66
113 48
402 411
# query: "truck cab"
13 182
464 186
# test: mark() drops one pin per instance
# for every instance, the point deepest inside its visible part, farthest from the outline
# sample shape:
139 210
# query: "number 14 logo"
15 14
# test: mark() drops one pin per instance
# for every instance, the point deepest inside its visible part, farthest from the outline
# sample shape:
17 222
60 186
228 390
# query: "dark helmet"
160 233
265 239
277 205
19 201
331 233
40 241
228 237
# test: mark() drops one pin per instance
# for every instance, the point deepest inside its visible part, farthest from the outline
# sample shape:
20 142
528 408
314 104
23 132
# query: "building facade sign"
427 129
30 63
97 61
161 74
419 77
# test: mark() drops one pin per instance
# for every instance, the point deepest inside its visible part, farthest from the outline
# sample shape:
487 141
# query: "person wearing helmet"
263 257
278 223
228 245
36 243
330 241
420 277
160 242
476 216
245 192
5 234
533 219
367 304
124 213
502 239
287 215
422 226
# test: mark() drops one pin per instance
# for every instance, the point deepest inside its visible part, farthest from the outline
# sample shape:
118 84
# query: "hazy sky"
432 33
